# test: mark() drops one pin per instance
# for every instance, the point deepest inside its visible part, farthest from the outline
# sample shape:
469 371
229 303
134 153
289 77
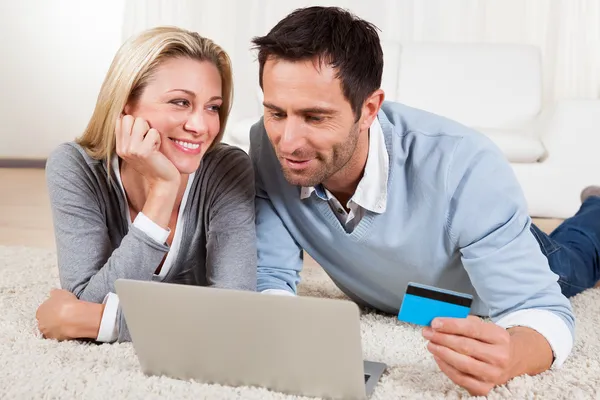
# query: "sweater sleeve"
88 265
231 234
488 221
279 255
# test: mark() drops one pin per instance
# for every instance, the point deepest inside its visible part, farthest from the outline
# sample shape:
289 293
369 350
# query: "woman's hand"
64 317
53 314
139 146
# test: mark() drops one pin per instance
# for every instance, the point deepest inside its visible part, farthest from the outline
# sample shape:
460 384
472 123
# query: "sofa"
497 89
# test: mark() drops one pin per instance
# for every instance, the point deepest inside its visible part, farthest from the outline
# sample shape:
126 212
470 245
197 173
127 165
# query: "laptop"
295 345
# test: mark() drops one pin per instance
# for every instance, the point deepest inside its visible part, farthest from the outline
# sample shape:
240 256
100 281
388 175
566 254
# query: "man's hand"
64 317
474 354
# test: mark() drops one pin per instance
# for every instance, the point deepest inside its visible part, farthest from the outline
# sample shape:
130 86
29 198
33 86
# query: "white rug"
31 367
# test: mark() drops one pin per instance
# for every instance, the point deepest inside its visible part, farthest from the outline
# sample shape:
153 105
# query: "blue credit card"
423 303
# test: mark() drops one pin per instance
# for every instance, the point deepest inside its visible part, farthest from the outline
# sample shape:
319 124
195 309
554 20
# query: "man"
380 194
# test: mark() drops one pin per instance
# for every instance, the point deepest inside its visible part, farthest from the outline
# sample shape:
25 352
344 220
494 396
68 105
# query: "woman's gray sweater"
96 245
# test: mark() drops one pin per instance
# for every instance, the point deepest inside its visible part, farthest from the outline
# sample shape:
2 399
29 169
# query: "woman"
148 192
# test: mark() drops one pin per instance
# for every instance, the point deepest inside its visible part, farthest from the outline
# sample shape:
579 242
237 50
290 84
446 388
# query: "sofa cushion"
476 84
517 146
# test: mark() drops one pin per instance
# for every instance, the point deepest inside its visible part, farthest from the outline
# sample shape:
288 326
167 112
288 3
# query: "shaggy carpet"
31 367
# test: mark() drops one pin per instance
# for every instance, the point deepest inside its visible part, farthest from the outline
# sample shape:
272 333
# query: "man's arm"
279 255
488 221
527 346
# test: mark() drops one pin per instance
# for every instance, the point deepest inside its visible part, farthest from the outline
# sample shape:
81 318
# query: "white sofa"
497 89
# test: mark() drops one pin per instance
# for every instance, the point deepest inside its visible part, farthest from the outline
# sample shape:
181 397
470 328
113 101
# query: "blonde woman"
148 192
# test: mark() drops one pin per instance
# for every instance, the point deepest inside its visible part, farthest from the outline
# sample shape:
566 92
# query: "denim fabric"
573 249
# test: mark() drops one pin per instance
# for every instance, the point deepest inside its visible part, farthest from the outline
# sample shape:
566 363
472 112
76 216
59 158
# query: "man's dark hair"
334 36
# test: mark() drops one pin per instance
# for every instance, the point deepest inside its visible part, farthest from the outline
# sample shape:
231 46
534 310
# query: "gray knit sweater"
96 245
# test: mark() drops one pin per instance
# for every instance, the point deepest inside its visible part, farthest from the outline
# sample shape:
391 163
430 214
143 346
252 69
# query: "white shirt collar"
371 192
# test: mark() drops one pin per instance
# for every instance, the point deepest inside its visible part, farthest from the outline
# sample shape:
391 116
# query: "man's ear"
370 108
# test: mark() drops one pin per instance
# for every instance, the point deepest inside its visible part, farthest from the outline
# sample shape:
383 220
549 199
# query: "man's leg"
573 249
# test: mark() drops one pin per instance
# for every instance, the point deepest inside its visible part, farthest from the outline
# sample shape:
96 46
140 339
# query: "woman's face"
182 101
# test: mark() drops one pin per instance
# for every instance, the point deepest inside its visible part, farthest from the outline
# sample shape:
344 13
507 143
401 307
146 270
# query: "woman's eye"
181 102
214 108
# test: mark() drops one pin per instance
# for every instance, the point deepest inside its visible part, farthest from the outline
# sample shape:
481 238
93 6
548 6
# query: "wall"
566 31
54 56
54 53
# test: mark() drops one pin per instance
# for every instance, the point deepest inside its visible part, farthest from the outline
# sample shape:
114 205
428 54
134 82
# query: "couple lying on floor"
379 194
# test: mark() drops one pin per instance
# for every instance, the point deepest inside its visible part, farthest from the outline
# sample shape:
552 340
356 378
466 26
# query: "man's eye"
312 118
277 115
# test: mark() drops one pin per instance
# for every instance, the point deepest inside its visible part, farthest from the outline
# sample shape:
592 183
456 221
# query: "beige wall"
54 54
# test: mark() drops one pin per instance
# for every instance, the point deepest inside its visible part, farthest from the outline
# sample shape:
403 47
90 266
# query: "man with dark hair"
381 194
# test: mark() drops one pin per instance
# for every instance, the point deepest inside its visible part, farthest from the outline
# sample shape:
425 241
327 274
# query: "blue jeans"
573 249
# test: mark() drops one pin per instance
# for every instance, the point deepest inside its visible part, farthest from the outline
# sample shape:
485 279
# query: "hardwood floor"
26 220
25 216
547 224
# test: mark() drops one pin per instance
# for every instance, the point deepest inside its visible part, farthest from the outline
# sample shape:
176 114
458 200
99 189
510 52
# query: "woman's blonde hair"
132 68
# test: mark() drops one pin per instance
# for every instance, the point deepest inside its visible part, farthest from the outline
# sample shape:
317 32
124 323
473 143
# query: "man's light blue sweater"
456 218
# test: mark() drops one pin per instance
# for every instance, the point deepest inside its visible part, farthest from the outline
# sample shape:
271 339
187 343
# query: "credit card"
423 303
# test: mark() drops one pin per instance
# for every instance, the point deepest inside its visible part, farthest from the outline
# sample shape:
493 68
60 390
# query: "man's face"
309 122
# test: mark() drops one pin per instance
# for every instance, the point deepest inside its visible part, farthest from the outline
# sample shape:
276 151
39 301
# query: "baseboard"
23 163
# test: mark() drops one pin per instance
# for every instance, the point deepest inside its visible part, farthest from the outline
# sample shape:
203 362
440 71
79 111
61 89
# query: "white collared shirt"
371 192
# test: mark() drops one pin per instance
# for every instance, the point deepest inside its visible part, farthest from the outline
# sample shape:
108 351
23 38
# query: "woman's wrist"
82 319
160 203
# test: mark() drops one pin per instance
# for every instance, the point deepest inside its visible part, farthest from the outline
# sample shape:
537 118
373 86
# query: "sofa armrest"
572 132
237 132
